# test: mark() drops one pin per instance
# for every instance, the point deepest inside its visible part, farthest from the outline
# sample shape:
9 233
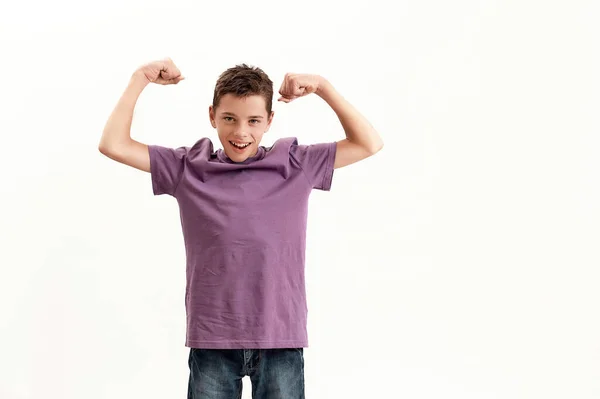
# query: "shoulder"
280 149
296 151
202 149
288 145
283 144
202 146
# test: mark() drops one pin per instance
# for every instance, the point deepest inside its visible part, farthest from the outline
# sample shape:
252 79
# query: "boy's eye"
227 118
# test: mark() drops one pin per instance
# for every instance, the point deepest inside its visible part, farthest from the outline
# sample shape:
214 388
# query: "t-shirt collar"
224 158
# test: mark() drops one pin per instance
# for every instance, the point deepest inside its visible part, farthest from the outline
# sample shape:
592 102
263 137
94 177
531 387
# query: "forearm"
117 130
357 128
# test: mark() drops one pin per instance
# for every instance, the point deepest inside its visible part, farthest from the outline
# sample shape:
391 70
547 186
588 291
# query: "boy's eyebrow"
232 114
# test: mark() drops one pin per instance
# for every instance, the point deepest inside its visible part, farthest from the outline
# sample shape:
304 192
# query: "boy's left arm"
361 141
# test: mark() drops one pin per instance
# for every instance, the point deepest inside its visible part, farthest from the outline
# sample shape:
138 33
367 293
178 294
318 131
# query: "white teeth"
240 146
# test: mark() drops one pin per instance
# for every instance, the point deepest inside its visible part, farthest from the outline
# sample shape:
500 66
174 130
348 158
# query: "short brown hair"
242 81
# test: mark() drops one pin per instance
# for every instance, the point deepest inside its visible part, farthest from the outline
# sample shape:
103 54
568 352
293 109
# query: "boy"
243 212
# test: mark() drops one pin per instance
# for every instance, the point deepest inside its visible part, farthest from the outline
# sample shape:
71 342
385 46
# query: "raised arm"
361 141
116 142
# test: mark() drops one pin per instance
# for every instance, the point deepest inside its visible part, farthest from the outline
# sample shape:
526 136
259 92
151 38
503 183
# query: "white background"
461 261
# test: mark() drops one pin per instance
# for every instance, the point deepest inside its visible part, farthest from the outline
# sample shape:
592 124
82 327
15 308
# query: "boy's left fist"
297 85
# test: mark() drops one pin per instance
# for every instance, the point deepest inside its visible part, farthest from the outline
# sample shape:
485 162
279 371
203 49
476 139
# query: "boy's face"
240 123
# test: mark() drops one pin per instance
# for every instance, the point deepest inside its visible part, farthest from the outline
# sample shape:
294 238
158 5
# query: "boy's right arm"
116 142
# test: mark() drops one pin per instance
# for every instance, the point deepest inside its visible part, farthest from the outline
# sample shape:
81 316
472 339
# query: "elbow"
376 147
108 147
103 145
107 150
104 150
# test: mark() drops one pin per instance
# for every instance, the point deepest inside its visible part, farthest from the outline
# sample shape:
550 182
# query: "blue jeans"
218 373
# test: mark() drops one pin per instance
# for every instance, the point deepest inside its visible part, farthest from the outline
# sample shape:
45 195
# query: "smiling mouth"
239 146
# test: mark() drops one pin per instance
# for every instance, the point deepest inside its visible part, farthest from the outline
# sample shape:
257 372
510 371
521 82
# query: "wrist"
324 87
138 78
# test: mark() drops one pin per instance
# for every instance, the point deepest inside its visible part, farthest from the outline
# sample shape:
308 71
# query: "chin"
237 157
237 154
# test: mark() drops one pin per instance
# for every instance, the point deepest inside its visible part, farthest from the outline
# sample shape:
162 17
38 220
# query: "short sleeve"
316 161
166 168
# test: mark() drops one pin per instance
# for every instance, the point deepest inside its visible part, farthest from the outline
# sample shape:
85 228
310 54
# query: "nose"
240 135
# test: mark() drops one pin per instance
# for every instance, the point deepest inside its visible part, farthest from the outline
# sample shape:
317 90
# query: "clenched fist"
297 85
162 72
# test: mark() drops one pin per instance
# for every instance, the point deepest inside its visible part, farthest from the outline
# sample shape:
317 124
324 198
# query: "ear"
270 120
211 116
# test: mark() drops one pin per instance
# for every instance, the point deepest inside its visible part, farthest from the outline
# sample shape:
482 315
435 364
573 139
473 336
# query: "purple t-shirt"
244 228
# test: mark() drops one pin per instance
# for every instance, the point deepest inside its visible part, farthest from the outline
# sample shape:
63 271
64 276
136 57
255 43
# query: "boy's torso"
244 228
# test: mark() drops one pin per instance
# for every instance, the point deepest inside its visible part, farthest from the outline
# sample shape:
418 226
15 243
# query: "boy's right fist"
162 72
